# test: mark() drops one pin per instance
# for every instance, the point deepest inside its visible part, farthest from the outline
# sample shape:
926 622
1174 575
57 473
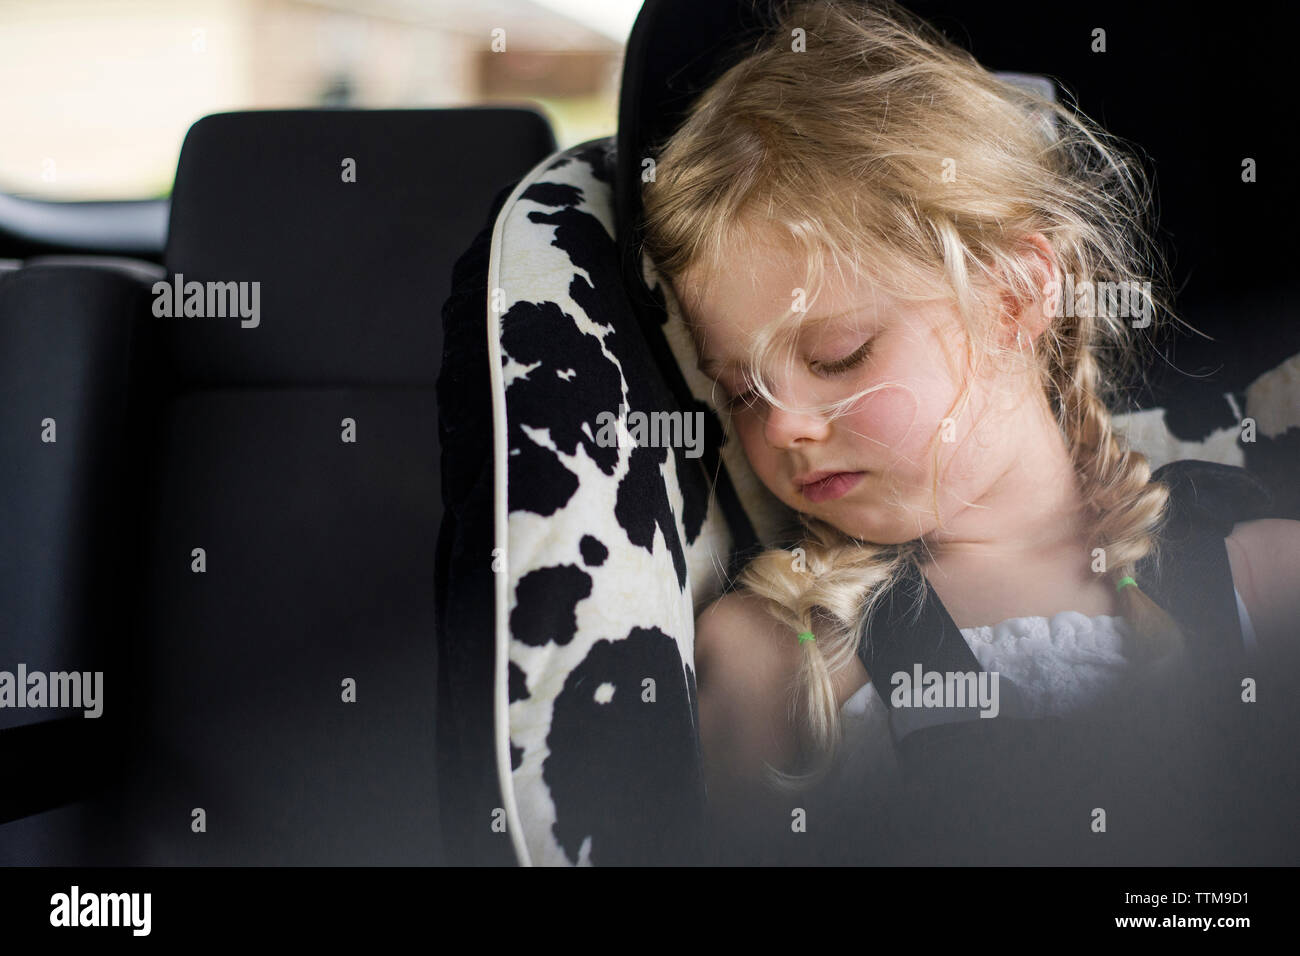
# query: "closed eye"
848 362
748 396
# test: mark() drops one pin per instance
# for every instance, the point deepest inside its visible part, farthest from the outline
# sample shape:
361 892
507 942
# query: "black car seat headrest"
269 197
664 68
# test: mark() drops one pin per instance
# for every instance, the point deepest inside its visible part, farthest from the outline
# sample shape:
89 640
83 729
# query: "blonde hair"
841 149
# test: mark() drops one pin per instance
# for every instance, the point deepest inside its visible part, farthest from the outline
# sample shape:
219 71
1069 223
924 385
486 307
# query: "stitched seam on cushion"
501 517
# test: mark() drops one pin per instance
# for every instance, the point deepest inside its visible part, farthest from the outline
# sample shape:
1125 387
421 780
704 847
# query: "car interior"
299 538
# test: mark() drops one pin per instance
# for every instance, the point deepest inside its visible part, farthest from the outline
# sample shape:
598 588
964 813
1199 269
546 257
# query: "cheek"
750 431
900 420
888 419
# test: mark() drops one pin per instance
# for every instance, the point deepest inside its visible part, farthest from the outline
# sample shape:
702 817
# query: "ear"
1027 319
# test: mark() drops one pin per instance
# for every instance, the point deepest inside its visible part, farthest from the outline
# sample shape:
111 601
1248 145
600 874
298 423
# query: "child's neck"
1022 549
1034 505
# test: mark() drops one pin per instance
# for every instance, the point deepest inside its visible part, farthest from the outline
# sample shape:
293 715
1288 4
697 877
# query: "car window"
98 96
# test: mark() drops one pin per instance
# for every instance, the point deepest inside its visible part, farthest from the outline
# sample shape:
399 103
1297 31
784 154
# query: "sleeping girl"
888 259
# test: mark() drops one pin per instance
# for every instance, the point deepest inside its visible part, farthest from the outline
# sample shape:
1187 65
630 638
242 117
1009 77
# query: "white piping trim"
501 518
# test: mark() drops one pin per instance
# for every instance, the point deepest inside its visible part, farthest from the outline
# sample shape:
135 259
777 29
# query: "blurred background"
99 93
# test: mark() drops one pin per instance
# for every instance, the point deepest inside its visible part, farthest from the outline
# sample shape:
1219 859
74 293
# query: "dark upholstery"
319 551
66 340
468 788
69 348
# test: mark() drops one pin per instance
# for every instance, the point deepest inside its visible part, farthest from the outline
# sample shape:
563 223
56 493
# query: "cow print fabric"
609 550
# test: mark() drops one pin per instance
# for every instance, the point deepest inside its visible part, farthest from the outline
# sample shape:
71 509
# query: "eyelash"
833 368
852 361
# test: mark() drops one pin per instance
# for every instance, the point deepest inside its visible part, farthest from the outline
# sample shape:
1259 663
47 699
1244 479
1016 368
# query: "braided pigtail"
1129 507
823 588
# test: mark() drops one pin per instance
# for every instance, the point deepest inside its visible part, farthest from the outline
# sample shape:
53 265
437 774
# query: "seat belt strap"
922 667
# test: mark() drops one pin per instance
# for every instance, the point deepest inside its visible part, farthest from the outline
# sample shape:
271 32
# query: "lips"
826 486
809 477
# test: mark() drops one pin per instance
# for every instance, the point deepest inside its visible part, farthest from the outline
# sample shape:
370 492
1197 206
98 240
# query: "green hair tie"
1125 582
806 636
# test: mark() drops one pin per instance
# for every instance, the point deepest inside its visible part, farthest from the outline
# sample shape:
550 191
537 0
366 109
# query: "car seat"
268 646
69 354
570 570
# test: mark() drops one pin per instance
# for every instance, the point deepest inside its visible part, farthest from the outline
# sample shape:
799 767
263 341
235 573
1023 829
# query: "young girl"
884 254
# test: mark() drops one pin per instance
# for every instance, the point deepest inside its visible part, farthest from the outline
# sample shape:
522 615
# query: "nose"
786 428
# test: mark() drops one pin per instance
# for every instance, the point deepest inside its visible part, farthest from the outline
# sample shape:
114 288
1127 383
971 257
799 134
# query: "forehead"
725 307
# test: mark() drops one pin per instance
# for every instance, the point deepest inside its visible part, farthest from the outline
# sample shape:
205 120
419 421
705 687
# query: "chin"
886 529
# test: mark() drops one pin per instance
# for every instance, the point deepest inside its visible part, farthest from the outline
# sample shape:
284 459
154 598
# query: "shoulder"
1265 558
737 640
745 663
